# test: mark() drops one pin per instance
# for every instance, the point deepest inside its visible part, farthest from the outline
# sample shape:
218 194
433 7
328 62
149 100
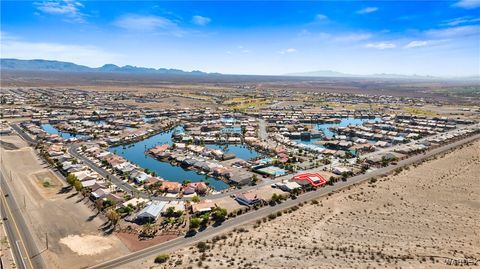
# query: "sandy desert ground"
75 240
415 219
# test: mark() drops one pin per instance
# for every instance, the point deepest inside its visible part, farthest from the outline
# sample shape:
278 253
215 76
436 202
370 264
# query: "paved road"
265 211
262 130
22 244
23 134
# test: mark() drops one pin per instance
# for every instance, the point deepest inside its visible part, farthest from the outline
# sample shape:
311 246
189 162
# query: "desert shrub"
161 258
202 246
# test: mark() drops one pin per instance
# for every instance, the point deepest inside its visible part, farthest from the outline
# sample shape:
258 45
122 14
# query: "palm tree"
113 216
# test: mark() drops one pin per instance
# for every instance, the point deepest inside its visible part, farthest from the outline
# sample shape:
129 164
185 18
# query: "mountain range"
59 66
48 65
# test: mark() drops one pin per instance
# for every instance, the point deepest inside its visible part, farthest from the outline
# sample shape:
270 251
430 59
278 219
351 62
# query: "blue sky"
440 38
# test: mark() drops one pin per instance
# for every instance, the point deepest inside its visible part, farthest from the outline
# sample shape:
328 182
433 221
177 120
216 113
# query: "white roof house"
152 211
288 186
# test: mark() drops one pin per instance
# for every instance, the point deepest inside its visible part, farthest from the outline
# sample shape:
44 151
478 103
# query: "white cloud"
454 31
468 4
147 23
337 37
321 17
80 54
242 49
380 45
68 8
367 10
351 37
461 20
200 20
289 50
416 44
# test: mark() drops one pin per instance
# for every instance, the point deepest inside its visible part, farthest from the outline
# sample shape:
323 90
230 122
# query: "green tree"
195 199
170 211
78 185
205 218
194 223
71 178
254 179
219 214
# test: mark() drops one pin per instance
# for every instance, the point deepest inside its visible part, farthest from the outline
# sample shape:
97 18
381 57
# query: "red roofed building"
159 149
313 179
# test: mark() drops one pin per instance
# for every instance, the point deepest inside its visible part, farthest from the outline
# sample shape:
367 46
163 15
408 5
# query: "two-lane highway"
23 246
23 134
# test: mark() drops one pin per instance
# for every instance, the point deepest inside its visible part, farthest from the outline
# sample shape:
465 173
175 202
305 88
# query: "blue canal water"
135 153
52 130
241 151
325 128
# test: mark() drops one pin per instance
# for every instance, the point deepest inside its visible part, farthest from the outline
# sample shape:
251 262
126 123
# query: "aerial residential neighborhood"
141 164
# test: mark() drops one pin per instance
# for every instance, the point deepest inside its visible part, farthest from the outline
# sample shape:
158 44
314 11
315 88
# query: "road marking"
21 256
16 227
9 241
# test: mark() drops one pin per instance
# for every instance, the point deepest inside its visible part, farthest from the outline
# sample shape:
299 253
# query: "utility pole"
46 239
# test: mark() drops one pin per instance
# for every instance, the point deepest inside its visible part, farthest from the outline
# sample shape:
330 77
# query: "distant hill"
330 73
47 65
322 73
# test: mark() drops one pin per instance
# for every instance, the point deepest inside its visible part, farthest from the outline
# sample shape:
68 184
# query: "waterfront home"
151 181
158 149
114 160
199 187
222 172
139 176
188 190
228 156
125 167
171 187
